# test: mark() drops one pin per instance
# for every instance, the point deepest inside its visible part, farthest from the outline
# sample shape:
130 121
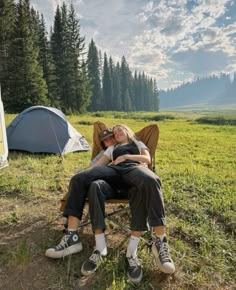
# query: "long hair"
130 134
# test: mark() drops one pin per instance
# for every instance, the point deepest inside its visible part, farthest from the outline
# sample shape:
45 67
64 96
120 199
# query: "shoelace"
63 243
133 262
95 257
163 251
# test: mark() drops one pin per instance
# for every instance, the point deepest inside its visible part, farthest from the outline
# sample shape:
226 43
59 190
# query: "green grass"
196 163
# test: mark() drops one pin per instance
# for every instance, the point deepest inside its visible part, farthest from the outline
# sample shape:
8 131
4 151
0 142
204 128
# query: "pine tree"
106 82
68 89
78 77
100 60
94 77
156 100
112 75
125 81
142 90
136 92
127 102
68 50
7 22
27 86
57 50
46 61
117 102
84 89
34 70
35 27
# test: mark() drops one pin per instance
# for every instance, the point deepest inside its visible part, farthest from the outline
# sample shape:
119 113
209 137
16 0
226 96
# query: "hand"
143 164
119 160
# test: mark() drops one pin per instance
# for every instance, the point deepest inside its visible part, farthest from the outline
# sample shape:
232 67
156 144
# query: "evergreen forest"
209 91
58 69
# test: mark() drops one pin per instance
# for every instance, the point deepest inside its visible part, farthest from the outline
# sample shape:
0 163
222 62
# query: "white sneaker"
69 244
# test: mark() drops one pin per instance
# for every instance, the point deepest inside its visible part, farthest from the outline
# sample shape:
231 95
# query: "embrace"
124 162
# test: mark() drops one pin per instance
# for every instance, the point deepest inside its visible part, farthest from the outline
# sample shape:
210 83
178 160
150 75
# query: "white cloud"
171 40
176 32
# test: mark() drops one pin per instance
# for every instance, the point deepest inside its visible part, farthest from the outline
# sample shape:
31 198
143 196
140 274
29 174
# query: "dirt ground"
23 264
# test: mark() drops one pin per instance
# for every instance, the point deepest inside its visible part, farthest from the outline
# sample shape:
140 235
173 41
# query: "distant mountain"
213 90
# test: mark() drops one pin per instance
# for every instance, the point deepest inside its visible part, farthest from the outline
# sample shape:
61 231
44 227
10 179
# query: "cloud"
87 23
171 40
188 35
201 62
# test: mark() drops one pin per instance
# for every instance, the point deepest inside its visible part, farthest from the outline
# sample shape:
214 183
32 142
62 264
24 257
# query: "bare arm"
104 160
144 157
96 158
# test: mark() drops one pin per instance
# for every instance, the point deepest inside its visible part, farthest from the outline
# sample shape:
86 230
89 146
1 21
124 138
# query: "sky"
173 41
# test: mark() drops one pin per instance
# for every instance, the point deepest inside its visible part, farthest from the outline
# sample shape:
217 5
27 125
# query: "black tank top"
129 148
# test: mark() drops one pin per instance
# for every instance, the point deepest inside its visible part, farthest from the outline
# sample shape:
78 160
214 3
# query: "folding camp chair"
149 135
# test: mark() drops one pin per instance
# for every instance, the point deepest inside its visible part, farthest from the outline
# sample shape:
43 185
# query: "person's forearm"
139 158
101 161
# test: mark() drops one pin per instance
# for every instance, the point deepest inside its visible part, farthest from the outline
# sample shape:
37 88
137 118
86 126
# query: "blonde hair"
130 134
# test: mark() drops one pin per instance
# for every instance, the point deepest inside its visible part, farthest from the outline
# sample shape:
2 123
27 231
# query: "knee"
150 180
96 185
76 178
73 180
94 189
73 184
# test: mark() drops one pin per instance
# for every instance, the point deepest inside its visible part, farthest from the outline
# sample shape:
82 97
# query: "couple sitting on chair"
125 162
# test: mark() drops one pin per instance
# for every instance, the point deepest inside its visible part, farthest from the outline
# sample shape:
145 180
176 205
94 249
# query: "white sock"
101 244
71 230
132 246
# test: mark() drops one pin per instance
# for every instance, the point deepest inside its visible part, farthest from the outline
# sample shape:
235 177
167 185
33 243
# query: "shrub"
216 121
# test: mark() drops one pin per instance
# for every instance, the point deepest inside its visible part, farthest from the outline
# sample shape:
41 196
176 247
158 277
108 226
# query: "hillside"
212 91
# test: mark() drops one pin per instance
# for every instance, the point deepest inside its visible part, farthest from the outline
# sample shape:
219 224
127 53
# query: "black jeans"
99 191
145 197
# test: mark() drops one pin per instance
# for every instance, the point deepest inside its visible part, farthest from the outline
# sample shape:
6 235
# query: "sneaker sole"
135 280
51 253
87 273
170 269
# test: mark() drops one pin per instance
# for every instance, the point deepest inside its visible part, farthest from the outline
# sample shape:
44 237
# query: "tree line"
56 69
212 90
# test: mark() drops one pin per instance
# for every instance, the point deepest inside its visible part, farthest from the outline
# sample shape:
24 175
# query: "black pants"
145 197
99 191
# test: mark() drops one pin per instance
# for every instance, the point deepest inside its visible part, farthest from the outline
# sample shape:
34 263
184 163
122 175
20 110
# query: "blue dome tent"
44 129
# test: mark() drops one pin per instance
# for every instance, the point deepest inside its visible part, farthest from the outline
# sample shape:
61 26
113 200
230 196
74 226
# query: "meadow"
196 161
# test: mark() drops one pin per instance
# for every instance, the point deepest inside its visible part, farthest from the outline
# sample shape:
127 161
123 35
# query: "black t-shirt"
129 148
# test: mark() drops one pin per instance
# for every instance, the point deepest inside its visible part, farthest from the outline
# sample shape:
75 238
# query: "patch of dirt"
39 272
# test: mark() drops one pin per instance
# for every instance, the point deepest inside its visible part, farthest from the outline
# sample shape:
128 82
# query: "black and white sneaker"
134 271
69 244
91 265
160 250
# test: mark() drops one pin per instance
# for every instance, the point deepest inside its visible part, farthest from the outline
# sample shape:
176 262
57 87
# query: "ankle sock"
101 244
132 246
71 230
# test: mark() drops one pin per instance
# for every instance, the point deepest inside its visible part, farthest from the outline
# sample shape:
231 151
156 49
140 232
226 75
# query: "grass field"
197 166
